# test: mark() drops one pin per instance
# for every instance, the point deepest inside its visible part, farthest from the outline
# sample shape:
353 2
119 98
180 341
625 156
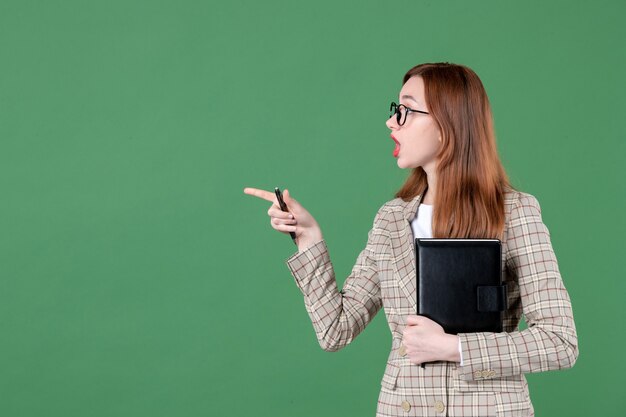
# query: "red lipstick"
396 151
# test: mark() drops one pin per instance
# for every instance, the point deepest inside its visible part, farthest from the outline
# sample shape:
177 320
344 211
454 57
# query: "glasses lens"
400 111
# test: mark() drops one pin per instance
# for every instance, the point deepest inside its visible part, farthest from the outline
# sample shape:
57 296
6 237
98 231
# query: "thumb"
289 200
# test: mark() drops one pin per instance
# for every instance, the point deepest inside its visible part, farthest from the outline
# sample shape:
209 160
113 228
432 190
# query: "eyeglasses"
400 110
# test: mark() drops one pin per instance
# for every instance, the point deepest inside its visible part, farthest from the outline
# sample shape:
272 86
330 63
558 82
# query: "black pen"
283 207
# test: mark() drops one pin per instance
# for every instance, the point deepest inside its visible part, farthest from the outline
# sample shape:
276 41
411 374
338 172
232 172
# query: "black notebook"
459 284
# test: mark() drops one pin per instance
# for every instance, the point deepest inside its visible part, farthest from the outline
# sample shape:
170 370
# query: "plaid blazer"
491 381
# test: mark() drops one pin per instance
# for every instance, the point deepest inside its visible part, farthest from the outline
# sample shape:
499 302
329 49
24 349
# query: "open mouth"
396 151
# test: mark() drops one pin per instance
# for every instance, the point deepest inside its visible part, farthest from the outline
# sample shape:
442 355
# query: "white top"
422 226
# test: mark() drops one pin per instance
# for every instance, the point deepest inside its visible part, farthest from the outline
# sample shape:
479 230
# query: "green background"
136 278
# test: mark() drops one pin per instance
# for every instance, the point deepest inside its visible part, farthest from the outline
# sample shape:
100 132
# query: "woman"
443 131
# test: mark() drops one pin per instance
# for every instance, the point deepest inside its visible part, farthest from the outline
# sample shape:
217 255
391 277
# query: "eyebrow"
410 98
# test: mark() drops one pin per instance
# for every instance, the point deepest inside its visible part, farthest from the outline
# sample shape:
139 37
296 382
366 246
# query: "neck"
429 196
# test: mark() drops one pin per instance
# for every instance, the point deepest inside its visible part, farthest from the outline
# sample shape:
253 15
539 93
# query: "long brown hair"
471 182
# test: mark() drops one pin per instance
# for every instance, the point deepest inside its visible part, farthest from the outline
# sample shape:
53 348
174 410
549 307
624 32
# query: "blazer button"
406 406
486 374
478 374
439 407
402 350
492 373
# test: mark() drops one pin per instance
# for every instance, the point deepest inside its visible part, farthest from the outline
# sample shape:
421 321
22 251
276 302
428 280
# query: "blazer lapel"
403 251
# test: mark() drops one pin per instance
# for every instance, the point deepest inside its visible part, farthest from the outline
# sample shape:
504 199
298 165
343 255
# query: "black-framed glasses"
400 110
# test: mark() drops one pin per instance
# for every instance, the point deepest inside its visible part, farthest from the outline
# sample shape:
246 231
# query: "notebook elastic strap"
491 298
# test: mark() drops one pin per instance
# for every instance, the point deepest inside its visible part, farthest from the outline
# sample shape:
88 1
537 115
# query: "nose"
392 123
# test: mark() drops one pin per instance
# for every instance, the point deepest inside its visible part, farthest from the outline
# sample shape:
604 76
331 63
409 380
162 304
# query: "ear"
439 134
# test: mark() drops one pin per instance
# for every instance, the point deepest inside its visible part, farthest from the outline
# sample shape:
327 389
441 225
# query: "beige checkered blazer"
491 381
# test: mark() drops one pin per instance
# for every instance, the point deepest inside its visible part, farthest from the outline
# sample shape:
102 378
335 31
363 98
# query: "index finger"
265 195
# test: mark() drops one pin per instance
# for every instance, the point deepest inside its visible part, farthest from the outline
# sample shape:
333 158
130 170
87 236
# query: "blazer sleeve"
339 316
550 341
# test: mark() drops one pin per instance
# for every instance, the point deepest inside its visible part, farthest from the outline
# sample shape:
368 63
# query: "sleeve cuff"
304 264
487 356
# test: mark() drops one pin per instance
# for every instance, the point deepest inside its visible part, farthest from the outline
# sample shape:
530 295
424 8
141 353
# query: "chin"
402 164
405 164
